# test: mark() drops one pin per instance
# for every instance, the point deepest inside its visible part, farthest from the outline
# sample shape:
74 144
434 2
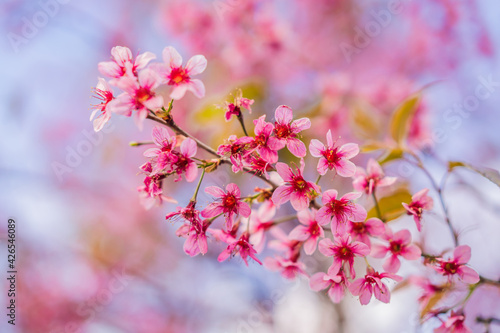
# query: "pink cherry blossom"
289 269
196 239
266 145
360 231
188 213
371 284
184 164
229 203
456 266
420 201
282 243
296 190
259 223
139 96
340 211
122 63
258 165
454 324
286 130
309 232
242 247
164 155
239 103
104 93
399 244
151 193
333 157
429 290
236 149
173 74
343 250
336 284
374 177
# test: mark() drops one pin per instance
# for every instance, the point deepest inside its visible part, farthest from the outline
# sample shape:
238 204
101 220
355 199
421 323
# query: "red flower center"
178 75
229 201
332 155
282 131
358 228
141 96
395 247
344 253
450 267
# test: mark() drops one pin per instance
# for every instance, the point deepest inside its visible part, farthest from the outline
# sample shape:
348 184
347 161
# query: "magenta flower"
340 211
151 193
188 213
286 130
399 245
450 267
196 238
239 103
164 154
367 181
289 269
104 93
454 324
420 201
259 165
266 145
296 190
309 232
343 250
360 231
229 203
372 284
122 64
333 157
241 246
336 284
139 96
173 74
184 164
236 149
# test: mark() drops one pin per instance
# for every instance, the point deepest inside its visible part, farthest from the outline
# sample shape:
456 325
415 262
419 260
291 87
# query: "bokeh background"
92 259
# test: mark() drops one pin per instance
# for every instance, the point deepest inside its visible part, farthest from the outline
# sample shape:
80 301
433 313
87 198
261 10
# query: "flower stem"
317 180
377 207
242 122
198 186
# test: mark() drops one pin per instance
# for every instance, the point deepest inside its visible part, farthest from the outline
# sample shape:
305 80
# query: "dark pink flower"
367 181
456 266
164 154
151 193
454 324
139 96
173 74
399 244
266 145
286 130
360 231
343 250
289 269
259 165
184 164
420 201
104 93
229 203
122 63
196 238
236 149
241 246
309 232
188 213
296 190
333 157
372 284
239 103
336 284
340 211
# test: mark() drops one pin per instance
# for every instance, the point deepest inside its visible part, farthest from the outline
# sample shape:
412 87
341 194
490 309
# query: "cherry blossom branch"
439 191
488 321
489 281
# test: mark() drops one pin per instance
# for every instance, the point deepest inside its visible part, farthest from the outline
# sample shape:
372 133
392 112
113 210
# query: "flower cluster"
342 228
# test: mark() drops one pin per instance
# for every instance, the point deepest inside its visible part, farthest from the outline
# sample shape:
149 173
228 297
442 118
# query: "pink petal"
154 103
322 217
121 54
349 150
178 91
160 135
281 195
351 196
299 233
299 201
301 124
215 191
468 275
323 166
336 293
325 247
392 264
109 69
296 147
345 168
212 210
283 114
316 148
374 169
403 236
233 189
152 152
149 79
224 255
284 171
360 249
319 281
358 213
310 246
379 251
202 244
329 139
382 294
375 226
143 59
275 144
191 245
305 216
462 254
188 147
191 172
411 252
356 286
197 88
329 196
196 65
244 209
171 57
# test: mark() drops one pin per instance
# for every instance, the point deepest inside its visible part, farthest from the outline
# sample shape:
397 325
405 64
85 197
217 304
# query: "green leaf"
364 123
391 155
488 173
401 118
391 206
